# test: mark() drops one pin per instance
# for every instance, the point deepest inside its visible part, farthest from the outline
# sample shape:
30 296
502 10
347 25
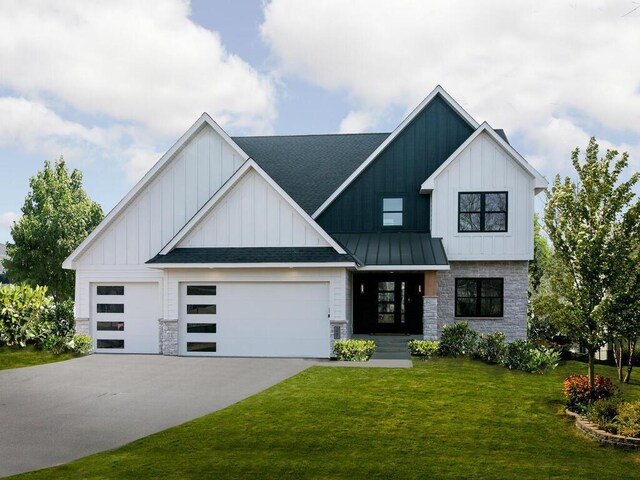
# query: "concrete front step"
390 346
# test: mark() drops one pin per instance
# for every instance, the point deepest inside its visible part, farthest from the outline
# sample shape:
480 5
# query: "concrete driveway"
55 413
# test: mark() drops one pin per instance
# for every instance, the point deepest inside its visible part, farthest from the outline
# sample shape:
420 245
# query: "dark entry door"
388 303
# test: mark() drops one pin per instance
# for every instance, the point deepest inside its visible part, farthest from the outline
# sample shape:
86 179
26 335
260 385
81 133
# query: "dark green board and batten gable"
398 171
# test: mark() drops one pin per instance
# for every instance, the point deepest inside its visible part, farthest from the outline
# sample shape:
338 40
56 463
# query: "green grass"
29 356
445 418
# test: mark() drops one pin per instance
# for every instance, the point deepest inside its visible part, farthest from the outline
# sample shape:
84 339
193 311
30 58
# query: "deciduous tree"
57 215
584 222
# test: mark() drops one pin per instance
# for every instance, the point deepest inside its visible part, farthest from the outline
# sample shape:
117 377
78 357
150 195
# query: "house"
3 256
277 246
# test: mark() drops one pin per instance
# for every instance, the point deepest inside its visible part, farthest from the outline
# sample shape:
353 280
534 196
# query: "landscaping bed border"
605 438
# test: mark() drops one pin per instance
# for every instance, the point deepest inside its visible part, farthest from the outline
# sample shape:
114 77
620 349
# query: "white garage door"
270 319
125 317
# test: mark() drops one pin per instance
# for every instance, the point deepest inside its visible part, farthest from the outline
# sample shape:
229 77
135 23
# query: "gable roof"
540 181
251 255
311 167
233 180
204 120
438 91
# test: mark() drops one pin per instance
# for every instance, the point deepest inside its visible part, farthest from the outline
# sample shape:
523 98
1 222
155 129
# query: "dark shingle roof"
252 255
310 167
393 248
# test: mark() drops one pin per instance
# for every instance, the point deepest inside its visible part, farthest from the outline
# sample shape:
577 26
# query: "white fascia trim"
253 265
377 268
229 184
540 182
69 263
438 90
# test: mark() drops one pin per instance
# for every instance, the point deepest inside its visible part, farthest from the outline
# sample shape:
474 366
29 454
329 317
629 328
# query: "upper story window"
482 212
392 211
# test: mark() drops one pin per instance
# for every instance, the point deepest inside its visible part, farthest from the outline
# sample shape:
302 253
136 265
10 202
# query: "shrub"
457 340
58 319
580 395
491 347
423 348
22 311
55 344
542 360
518 355
628 419
81 344
602 412
354 350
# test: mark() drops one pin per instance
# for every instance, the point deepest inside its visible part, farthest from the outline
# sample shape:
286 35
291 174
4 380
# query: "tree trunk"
592 361
632 354
618 352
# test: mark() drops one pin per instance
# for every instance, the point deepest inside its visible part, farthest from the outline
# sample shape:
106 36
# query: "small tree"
541 257
583 221
57 215
623 313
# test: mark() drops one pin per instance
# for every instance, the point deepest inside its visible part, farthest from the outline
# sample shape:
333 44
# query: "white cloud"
142 66
541 70
7 219
356 122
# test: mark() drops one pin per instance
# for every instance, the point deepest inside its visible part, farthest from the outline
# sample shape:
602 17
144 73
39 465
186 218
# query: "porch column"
430 306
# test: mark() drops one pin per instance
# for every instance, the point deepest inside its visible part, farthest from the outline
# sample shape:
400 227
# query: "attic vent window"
392 209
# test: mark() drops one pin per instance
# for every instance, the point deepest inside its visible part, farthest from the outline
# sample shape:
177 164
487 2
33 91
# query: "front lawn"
11 357
445 418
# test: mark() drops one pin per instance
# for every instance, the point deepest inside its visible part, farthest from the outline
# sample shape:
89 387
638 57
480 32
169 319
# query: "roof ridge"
313 135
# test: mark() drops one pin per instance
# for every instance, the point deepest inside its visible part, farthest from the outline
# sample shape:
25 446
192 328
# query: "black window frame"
105 308
110 343
200 308
392 196
482 212
478 297
191 289
110 326
101 289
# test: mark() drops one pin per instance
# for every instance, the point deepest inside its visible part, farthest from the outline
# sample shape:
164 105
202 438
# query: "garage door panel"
264 319
135 328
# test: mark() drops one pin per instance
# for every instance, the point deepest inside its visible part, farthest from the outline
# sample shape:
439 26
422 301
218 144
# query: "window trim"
392 196
478 297
483 212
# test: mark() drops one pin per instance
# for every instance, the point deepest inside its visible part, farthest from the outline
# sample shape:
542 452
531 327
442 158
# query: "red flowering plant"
580 394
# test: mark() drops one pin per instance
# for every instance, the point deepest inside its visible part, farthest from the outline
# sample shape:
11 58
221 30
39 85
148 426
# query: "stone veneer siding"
81 326
430 318
168 332
516 282
344 332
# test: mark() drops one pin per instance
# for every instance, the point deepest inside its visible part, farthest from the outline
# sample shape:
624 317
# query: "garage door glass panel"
111 326
201 309
201 346
201 328
108 343
110 290
201 289
110 308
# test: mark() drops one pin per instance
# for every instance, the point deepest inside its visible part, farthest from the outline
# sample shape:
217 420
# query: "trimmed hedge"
354 350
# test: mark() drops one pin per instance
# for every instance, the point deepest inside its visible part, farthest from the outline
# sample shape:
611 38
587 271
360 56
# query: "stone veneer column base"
168 330
430 318
81 326
344 332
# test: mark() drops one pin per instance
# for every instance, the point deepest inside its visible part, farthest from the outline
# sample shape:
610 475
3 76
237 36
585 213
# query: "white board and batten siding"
164 206
484 166
253 214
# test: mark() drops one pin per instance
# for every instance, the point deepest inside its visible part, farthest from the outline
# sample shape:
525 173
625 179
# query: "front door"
388 303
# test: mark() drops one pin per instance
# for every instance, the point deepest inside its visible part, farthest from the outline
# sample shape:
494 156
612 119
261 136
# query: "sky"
112 85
